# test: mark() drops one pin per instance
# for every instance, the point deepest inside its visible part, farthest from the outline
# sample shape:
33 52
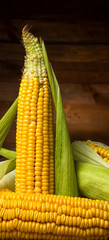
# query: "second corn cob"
37 216
101 149
35 133
90 152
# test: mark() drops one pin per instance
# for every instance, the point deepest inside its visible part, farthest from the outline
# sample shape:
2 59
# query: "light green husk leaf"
93 181
6 121
99 144
7 153
8 181
64 165
7 166
84 153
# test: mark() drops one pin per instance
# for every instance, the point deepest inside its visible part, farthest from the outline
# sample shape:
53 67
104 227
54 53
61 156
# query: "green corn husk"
7 166
84 153
64 166
93 181
7 153
8 181
6 121
7 169
98 144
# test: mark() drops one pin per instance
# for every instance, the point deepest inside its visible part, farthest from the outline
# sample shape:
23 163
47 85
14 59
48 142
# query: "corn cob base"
37 216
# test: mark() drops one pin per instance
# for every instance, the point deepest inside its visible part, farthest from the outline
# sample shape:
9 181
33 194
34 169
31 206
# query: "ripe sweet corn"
37 216
91 152
101 149
35 133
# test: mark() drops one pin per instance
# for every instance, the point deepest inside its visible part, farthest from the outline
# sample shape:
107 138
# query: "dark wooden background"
76 34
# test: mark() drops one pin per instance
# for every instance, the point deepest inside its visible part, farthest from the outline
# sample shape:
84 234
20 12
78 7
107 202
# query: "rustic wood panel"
89 132
83 94
74 64
53 30
77 41
60 53
86 108
84 122
77 9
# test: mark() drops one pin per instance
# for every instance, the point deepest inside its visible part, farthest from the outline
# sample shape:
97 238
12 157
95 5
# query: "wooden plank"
96 54
86 54
89 132
88 122
73 64
91 9
86 108
9 91
93 114
84 122
65 73
100 93
54 30
81 73
71 93
77 132
76 93
85 94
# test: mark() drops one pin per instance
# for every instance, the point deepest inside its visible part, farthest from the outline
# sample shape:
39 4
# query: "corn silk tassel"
35 131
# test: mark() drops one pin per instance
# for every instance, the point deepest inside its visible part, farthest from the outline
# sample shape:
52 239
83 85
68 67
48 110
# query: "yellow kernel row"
34 138
104 153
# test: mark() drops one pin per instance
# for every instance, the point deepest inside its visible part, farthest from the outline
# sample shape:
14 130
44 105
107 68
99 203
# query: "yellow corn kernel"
104 153
51 153
39 142
59 216
20 113
45 165
31 138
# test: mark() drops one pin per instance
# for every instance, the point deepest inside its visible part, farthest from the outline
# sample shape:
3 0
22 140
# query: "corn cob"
85 151
101 149
43 216
35 133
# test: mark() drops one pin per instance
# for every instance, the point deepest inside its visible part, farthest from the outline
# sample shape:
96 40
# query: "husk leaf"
64 165
84 153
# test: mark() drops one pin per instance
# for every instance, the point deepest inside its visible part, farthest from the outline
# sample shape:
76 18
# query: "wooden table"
77 41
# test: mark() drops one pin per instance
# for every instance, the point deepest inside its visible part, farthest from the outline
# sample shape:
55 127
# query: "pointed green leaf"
6 121
7 166
8 181
64 165
93 181
7 153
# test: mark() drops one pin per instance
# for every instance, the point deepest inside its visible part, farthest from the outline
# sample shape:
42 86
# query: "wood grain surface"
76 35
